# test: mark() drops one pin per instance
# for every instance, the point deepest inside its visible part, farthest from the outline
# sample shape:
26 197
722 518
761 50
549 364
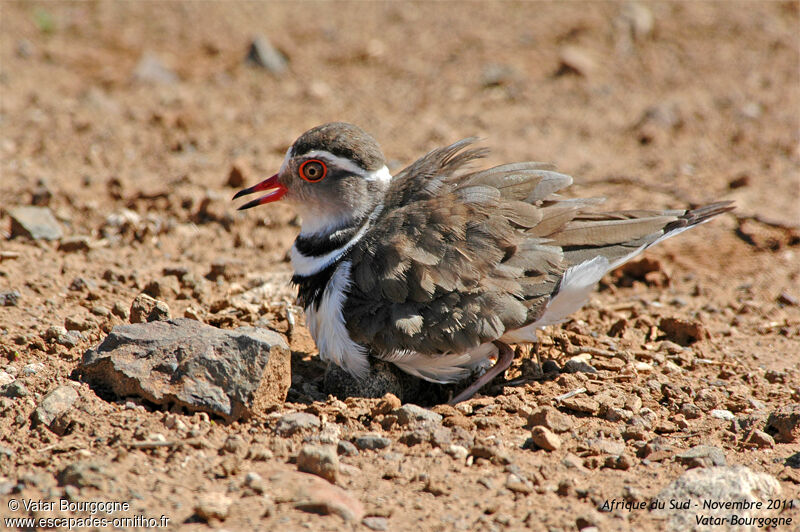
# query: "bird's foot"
504 359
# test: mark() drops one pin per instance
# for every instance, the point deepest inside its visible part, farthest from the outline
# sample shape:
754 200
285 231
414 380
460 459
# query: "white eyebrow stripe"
381 174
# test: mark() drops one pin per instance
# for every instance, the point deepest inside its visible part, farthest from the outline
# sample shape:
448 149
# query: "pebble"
151 69
31 369
761 439
581 404
552 418
255 482
259 453
55 404
213 506
346 448
10 298
376 523
295 422
411 413
545 439
5 378
702 456
146 309
313 494
372 441
784 423
457 451
575 60
264 55
683 332
320 460
37 223
15 390
59 335
518 484
726 415
71 244
387 404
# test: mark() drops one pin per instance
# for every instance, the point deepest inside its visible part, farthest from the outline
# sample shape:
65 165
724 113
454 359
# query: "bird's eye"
313 170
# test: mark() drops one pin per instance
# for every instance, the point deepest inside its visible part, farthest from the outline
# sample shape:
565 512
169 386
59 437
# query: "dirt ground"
661 105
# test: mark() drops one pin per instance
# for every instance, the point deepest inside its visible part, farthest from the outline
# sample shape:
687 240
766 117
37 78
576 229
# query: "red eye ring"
318 170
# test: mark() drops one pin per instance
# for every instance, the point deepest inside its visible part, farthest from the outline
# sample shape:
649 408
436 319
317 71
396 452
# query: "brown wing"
457 258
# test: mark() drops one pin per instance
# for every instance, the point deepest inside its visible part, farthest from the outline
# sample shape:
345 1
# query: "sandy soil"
674 105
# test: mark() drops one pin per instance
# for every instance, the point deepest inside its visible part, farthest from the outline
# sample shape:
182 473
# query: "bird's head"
332 173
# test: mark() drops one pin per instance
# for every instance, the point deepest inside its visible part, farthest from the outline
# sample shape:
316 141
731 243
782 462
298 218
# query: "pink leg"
504 359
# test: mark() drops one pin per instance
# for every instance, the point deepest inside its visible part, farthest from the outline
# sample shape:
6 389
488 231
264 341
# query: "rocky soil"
126 128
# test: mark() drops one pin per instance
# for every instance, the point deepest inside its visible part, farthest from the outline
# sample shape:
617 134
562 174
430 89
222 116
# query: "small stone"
411 413
151 69
623 462
388 403
320 460
213 506
120 310
574 60
552 418
785 298
71 244
346 448
436 487
5 378
761 439
496 75
372 442
457 451
376 523
37 223
79 323
10 298
683 332
259 453
518 484
146 309
15 390
702 456
264 55
313 494
581 404
55 404
784 423
255 482
545 439
295 422
726 415
31 369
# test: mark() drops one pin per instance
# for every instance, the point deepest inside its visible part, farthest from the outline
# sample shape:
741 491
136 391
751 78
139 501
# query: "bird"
439 267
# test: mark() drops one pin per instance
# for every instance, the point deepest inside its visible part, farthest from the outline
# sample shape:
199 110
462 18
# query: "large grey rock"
705 486
184 362
37 223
